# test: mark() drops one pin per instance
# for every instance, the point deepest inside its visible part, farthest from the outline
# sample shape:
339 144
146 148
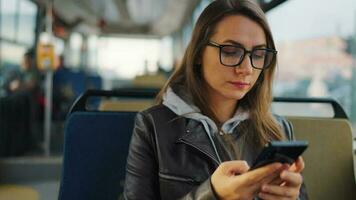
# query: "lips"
239 84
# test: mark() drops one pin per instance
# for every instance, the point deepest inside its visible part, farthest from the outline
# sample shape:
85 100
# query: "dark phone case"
280 151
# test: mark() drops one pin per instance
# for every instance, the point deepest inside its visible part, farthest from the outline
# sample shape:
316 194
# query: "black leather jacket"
171 158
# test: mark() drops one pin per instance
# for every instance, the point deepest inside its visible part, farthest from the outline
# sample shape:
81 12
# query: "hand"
287 186
232 180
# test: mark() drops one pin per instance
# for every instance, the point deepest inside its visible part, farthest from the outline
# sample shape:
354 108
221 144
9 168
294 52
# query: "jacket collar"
182 106
196 137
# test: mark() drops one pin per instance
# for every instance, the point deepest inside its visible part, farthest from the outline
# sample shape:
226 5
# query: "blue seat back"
95 151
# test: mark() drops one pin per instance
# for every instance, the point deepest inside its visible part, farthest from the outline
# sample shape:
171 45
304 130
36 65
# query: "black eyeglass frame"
220 46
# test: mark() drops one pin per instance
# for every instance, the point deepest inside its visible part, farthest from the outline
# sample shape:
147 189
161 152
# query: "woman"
213 117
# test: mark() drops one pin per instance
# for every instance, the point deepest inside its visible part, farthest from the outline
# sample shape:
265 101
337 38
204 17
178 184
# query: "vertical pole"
48 111
48 87
84 51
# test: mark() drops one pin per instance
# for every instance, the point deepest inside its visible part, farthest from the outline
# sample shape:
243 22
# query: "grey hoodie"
188 110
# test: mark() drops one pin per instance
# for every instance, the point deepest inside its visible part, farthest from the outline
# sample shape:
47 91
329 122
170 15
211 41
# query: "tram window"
11 55
128 57
76 41
314 56
17 31
27 22
199 9
92 51
303 109
186 34
8 19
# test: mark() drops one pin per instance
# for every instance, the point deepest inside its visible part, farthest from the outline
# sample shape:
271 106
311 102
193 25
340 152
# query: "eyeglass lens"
232 56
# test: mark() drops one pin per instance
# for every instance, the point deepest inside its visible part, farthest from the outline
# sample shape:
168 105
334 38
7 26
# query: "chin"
235 95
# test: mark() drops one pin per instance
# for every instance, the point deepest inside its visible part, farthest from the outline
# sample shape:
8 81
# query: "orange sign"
45 56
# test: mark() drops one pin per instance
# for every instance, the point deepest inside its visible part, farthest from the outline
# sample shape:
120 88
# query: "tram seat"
94 82
125 105
75 82
329 172
144 81
95 149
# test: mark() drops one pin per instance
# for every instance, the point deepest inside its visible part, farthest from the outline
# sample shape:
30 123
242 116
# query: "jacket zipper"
197 148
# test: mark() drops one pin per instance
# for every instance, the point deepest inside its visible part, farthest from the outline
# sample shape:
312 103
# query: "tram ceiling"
130 17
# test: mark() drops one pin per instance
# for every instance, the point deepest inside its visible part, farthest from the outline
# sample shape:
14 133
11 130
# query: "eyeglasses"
232 55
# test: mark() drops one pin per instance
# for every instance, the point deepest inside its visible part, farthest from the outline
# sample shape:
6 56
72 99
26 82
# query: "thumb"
297 166
234 167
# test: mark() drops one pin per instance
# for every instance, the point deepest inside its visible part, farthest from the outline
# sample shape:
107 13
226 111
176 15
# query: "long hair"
189 75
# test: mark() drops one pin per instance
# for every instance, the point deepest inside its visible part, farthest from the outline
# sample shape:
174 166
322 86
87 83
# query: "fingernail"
283 174
278 165
265 188
260 195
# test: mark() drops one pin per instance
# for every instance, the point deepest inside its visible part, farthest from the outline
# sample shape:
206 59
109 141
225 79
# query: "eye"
259 53
231 51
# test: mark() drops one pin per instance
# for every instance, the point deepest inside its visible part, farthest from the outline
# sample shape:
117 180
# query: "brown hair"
258 99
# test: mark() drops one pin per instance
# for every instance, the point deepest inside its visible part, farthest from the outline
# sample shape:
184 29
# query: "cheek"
213 76
211 70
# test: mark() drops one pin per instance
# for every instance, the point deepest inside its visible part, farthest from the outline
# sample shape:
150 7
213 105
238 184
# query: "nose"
245 67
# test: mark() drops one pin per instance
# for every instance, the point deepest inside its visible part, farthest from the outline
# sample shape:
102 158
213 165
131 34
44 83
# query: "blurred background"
112 44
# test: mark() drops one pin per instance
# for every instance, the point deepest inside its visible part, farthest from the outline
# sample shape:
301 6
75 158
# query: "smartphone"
280 151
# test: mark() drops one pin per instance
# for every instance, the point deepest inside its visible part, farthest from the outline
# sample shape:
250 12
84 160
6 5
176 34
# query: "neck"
224 109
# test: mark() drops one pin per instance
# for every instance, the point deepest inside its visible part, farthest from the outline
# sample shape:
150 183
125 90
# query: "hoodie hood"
182 107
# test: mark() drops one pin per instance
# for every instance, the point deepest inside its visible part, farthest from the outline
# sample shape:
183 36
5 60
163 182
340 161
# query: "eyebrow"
241 45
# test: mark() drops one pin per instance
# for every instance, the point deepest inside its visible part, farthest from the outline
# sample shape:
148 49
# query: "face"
231 83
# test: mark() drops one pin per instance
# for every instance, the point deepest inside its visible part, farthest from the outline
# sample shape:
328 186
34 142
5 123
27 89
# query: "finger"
267 196
298 165
235 167
275 176
253 184
261 173
276 180
292 178
280 191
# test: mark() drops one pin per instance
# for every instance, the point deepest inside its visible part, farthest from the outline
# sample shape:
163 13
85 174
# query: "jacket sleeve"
202 192
141 180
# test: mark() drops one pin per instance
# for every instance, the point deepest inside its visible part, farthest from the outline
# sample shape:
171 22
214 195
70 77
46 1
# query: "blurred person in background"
27 79
23 88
